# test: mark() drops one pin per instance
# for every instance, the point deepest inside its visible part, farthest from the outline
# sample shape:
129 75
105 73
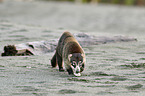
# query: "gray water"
115 69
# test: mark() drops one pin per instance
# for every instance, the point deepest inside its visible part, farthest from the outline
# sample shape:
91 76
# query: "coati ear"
84 59
69 56
83 55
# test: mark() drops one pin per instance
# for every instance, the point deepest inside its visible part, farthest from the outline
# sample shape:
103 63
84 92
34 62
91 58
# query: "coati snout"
69 52
77 63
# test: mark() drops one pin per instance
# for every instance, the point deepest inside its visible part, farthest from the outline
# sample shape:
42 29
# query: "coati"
69 52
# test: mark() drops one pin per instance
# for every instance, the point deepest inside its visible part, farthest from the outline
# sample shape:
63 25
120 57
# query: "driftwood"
42 47
11 50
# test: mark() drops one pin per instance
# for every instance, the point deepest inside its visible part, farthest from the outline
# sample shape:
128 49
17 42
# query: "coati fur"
69 52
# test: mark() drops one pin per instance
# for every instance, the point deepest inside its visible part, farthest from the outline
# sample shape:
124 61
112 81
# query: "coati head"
77 61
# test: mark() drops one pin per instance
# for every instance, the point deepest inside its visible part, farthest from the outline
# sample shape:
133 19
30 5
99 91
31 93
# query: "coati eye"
74 63
80 63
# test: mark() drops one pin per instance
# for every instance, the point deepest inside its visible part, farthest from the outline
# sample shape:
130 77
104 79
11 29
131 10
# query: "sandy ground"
115 69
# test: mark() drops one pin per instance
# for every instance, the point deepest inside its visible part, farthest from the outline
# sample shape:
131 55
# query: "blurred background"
96 16
121 2
99 17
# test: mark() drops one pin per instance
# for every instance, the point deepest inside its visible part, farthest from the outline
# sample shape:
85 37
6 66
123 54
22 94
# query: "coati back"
71 53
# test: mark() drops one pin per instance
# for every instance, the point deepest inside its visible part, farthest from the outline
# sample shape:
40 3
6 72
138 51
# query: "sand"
114 69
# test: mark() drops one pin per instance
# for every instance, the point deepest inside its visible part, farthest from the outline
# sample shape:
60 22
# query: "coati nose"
77 71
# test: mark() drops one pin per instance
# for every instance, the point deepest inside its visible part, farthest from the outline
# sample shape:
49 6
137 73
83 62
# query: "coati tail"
53 61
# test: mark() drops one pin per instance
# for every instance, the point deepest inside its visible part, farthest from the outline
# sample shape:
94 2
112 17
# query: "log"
42 47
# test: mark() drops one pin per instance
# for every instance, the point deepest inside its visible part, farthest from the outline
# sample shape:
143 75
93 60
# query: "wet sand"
114 69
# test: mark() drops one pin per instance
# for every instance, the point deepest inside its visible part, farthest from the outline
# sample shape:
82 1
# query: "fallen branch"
41 47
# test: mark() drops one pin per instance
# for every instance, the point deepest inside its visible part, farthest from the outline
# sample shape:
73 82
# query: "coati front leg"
59 62
70 71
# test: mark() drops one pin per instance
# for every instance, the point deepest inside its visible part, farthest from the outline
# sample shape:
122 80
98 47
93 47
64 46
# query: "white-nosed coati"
71 53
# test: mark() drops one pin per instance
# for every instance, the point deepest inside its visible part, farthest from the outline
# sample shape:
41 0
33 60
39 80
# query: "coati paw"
61 70
70 71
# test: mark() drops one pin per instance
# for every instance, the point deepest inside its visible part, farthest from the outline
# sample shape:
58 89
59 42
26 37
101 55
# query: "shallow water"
115 69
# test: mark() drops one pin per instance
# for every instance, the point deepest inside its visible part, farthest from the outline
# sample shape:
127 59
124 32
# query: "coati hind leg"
54 61
59 62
